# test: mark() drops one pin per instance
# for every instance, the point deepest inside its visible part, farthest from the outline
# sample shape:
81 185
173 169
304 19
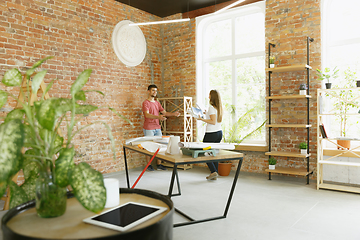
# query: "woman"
213 118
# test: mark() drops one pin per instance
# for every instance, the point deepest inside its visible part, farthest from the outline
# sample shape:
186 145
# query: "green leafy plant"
327 74
233 135
271 60
30 139
344 100
272 161
303 145
303 86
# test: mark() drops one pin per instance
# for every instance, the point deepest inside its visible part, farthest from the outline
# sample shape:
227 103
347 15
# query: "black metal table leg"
173 176
233 187
126 169
192 221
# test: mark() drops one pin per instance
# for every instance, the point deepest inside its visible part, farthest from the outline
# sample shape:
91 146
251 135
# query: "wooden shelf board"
290 171
349 164
289 125
289 68
334 152
184 166
288 97
339 187
252 148
287 154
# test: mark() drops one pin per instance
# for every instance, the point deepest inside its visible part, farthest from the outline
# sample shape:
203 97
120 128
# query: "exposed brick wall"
78 34
288 23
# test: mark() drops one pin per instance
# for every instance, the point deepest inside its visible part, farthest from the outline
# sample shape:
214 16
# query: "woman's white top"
211 127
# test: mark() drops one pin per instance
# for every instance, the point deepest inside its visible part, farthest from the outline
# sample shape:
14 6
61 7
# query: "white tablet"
126 216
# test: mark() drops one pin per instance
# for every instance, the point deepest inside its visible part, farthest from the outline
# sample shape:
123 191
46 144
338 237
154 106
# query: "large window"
341 49
231 59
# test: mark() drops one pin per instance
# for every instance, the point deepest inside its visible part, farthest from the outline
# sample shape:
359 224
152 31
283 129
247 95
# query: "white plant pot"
272 65
303 151
272 167
302 92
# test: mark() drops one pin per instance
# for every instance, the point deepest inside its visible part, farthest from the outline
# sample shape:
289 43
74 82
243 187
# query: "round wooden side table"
22 222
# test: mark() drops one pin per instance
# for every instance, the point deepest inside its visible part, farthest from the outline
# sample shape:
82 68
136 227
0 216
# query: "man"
152 109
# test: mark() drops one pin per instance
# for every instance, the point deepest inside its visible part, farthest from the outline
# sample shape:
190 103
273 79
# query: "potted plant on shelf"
272 61
272 161
343 102
303 147
30 140
327 74
303 88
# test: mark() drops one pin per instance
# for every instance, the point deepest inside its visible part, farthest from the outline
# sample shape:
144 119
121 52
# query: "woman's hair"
215 101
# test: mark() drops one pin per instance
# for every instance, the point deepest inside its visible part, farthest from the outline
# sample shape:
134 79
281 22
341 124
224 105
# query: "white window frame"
202 90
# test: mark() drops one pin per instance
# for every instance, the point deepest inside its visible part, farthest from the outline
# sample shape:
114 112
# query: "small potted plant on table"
272 161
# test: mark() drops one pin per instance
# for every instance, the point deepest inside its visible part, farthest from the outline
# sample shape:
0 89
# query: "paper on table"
152 146
131 140
197 145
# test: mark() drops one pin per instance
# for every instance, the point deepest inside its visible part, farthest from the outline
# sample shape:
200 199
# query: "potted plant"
224 168
303 147
30 140
303 88
327 74
272 161
343 102
272 61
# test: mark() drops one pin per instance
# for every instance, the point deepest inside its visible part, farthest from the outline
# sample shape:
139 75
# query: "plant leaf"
62 165
29 187
80 82
30 168
17 195
37 80
47 88
85 109
15 114
80 95
11 143
3 98
111 139
95 91
118 114
38 63
88 185
46 113
63 106
3 186
12 78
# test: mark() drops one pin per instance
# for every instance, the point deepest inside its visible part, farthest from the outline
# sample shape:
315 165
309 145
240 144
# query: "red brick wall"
288 23
31 30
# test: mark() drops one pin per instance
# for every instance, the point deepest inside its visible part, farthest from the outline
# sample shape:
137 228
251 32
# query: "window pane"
218 39
341 19
343 57
250 33
220 79
250 99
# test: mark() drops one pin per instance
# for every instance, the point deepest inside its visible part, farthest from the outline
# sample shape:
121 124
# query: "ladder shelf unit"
352 152
305 170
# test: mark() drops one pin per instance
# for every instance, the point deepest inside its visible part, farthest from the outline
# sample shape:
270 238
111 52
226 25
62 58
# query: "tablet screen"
125 216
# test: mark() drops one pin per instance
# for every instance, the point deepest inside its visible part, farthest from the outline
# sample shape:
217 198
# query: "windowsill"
251 147
334 152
